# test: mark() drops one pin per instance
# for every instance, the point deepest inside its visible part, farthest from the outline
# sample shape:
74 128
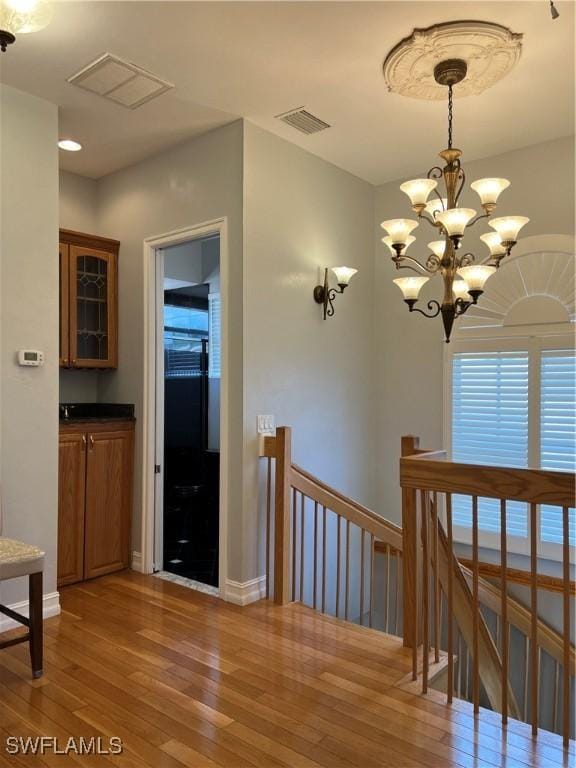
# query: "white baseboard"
244 593
137 562
50 607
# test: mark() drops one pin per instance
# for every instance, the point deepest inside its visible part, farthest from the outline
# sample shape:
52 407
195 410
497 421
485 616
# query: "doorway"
191 431
185 425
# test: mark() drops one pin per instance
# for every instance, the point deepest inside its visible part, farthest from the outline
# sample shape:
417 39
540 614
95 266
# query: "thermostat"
30 357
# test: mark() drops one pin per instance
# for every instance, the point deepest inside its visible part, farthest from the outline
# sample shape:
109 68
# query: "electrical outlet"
266 425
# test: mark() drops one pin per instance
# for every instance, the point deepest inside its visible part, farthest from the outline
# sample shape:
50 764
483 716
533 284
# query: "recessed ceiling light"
69 145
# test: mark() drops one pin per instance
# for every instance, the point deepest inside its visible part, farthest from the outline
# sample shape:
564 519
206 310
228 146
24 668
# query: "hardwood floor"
184 679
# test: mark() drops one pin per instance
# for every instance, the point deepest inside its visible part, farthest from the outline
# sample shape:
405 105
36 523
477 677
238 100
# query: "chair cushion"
19 559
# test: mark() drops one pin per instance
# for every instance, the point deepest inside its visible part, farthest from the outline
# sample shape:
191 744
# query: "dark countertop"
95 412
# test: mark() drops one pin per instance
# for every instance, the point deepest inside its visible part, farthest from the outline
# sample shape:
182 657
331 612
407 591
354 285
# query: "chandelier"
463 275
22 17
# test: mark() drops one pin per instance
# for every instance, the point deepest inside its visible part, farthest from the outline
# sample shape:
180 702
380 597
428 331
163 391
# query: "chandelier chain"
450 117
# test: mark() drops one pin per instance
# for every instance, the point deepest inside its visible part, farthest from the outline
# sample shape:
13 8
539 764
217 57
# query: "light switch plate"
266 425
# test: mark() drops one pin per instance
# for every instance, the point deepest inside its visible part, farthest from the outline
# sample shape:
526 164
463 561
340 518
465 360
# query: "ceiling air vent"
120 81
303 121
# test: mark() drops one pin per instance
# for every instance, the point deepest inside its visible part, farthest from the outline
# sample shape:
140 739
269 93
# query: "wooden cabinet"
71 496
88 301
95 499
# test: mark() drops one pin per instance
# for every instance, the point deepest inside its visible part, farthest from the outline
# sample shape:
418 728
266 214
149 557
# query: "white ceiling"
259 59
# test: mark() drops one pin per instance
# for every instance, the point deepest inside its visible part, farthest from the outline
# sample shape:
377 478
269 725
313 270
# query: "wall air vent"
303 121
120 81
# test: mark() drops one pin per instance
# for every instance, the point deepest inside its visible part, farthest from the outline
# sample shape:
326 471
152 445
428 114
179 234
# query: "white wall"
78 211
184 263
78 202
302 214
409 348
29 319
195 182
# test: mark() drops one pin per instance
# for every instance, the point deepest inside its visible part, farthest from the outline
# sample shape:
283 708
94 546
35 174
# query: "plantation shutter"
215 336
490 426
557 431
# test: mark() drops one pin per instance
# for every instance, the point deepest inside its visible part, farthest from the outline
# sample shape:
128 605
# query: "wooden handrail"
513 575
519 576
351 510
520 617
535 486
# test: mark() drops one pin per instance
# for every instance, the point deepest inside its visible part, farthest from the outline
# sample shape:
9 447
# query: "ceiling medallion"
489 50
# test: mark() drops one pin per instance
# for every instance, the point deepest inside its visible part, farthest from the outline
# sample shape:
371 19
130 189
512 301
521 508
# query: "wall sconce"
325 295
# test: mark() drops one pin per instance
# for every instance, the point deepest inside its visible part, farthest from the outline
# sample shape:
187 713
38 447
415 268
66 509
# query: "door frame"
153 263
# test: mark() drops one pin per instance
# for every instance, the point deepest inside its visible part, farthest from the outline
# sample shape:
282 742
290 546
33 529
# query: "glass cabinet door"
92 308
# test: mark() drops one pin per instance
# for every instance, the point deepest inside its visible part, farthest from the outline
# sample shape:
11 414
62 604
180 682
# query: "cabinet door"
108 502
64 305
93 308
71 499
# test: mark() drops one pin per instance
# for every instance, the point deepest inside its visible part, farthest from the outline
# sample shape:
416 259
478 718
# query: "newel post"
411 552
282 516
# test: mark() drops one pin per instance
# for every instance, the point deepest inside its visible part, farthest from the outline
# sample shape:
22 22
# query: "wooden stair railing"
429 481
320 544
321 547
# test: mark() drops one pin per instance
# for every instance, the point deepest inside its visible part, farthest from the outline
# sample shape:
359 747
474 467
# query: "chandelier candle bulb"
460 290
435 205
399 229
389 240
410 286
344 275
494 243
418 191
22 17
508 228
455 220
438 247
489 191
476 275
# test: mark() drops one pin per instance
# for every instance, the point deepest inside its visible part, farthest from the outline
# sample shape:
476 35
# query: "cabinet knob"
84 440
91 440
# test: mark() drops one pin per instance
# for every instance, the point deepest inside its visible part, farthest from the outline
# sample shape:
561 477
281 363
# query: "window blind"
490 426
214 336
183 359
557 431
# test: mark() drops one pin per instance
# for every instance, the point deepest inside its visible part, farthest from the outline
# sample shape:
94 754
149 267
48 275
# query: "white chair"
18 559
